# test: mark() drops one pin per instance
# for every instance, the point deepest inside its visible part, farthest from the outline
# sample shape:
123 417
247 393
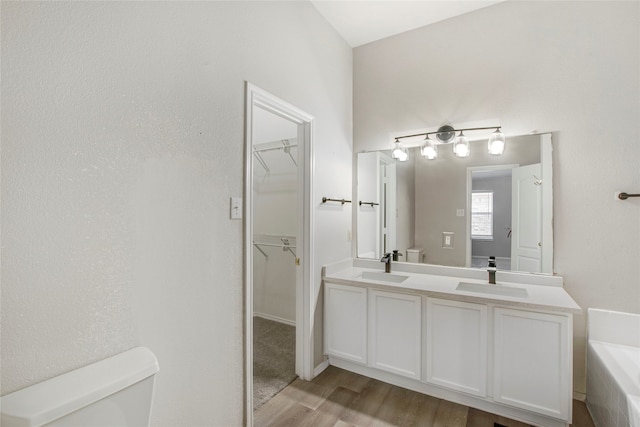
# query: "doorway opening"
277 247
489 204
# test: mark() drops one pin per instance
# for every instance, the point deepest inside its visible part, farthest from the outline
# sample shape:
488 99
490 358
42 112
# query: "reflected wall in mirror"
459 211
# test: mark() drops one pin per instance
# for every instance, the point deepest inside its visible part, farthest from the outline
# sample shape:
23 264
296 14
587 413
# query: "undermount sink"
483 288
383 277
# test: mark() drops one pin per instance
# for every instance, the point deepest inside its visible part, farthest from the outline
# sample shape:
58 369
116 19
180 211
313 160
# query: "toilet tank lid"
56 397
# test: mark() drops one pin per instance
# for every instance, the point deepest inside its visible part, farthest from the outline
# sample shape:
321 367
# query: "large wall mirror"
459 211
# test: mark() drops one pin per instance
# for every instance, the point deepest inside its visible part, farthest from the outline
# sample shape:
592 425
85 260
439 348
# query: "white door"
526 237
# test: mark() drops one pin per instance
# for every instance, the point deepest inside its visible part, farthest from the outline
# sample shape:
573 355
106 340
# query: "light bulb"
399 152
496 143
461 146
429 148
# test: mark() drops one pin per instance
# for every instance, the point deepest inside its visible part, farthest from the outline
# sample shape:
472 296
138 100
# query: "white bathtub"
613 368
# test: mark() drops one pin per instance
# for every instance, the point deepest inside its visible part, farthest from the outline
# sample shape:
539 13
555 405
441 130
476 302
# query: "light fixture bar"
446 131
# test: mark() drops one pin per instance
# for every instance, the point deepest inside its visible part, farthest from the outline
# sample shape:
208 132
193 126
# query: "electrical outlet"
459 212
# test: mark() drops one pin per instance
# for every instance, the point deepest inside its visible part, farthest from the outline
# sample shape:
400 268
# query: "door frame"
387 231
256 97
546 158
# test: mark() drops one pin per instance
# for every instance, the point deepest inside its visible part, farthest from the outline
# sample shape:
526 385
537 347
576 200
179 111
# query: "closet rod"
260 150
284 247
625 196
274 245
286 147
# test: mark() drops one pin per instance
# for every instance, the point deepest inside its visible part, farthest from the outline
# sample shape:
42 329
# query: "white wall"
122 141
274 278
567 67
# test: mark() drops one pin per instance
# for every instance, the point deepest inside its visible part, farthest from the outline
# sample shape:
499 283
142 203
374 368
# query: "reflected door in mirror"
376 204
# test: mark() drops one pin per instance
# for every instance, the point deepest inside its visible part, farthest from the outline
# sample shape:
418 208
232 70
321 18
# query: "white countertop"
543 293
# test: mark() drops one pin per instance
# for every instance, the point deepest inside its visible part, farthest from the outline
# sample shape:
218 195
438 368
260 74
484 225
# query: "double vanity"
445 331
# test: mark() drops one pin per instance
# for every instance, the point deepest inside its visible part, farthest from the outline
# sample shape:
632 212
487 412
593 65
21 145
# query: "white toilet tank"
415 255
117 391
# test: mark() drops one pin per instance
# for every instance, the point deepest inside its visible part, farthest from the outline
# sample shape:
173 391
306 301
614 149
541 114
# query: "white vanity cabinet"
503 353
345 322
394 332
456 345
532 361
378 328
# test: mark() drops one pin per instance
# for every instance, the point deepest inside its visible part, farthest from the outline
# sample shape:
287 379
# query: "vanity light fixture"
429 148
496 143
461 146
399 151
447 135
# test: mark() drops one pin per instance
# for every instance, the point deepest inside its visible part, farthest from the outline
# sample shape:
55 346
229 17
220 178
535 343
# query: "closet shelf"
284 145
282 242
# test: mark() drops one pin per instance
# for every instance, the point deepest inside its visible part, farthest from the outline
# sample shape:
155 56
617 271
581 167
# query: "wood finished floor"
339 398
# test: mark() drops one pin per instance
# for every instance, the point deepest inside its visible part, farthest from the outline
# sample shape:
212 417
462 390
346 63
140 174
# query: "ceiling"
364 21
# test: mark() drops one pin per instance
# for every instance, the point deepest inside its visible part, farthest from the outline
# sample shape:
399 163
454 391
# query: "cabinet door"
395 323
456 345
345 322
532 361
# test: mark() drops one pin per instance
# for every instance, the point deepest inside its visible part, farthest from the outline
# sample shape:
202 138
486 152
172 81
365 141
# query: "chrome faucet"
491 268
387 262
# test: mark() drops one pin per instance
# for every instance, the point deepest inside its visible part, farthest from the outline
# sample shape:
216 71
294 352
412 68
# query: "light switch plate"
236 208
459 212
447 239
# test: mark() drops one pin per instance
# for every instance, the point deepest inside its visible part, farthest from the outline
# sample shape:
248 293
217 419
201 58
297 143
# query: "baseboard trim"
320 368
275 318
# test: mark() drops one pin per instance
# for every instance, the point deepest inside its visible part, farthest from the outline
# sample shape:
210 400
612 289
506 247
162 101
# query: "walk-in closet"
275 211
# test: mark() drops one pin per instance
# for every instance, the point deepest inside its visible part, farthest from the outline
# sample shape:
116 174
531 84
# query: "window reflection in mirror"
410 206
